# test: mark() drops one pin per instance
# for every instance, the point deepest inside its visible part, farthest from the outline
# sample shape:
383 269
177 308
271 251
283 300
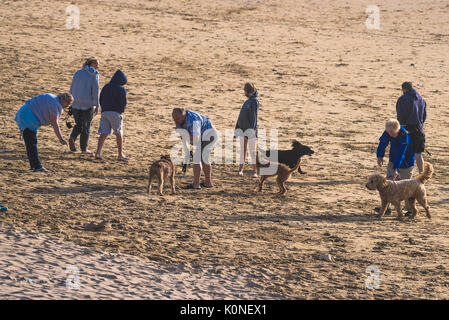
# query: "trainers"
388 212
42 169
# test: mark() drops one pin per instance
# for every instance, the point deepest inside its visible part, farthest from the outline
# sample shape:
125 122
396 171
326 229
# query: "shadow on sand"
280 218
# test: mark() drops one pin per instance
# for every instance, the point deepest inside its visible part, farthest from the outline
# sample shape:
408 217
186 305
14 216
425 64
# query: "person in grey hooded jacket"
246 127
85 91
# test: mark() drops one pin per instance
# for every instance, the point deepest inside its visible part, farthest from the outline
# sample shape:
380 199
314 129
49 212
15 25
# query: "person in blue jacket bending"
401 161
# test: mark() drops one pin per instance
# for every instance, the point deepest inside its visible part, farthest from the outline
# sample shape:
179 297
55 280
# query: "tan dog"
283 173
396 191
161 169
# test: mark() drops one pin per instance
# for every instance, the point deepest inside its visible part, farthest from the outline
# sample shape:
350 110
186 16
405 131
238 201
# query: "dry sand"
33 266
324 79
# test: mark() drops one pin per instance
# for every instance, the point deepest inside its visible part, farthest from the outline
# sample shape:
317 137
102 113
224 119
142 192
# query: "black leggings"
30 138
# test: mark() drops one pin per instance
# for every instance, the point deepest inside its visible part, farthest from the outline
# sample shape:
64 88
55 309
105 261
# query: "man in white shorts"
113 104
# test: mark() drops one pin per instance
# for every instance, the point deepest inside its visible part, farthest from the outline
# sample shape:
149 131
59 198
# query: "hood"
412 93
91 71
119 78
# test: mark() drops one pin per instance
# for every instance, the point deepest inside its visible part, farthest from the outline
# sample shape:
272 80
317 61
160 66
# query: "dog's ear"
296 144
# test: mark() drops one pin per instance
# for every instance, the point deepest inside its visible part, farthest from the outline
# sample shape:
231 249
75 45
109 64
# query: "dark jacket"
411 110
401 153
248 114
113 94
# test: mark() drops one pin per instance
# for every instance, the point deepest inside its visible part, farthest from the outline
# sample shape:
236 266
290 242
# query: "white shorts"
111 120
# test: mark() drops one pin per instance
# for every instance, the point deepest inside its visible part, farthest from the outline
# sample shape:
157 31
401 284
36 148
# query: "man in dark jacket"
113 104
411 114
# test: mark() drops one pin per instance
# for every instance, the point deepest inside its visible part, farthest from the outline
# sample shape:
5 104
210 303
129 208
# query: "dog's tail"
427 173
297 166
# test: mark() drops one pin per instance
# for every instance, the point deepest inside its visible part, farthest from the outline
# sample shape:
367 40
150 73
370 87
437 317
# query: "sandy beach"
323 78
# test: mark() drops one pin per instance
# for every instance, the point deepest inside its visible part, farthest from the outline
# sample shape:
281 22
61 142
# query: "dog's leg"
383 208
412 206
281 184
422 199
172 181
397 205
149 183
261 181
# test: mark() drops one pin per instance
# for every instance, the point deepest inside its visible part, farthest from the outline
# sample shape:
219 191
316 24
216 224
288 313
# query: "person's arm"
400 154
401 112
425 112
383 144
123 100
252 116
95 93
54 123
71 85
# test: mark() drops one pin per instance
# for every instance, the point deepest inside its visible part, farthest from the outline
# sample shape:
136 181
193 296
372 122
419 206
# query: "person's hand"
63 142
380 161
396 175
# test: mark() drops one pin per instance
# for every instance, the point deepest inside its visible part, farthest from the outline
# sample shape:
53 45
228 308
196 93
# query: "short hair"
407 85
90 61
392 124
249 88
179 110
66 97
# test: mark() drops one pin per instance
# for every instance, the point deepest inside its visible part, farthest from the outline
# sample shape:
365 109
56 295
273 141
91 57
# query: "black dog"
291 157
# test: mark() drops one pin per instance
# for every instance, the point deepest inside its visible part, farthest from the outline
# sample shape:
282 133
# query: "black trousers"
30 138
83 120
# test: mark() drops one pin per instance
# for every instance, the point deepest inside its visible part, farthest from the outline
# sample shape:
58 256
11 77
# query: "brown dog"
161 169
283 173
396 191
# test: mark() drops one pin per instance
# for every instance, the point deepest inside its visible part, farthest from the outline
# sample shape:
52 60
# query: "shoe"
388 212
408 214
72 145
41 169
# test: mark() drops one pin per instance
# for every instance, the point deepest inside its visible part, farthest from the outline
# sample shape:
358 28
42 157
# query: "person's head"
179 116
249 89
392 127
406 86
66 99
92 62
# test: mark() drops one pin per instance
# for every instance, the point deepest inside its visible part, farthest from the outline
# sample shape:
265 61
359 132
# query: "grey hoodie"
85 88
248 114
